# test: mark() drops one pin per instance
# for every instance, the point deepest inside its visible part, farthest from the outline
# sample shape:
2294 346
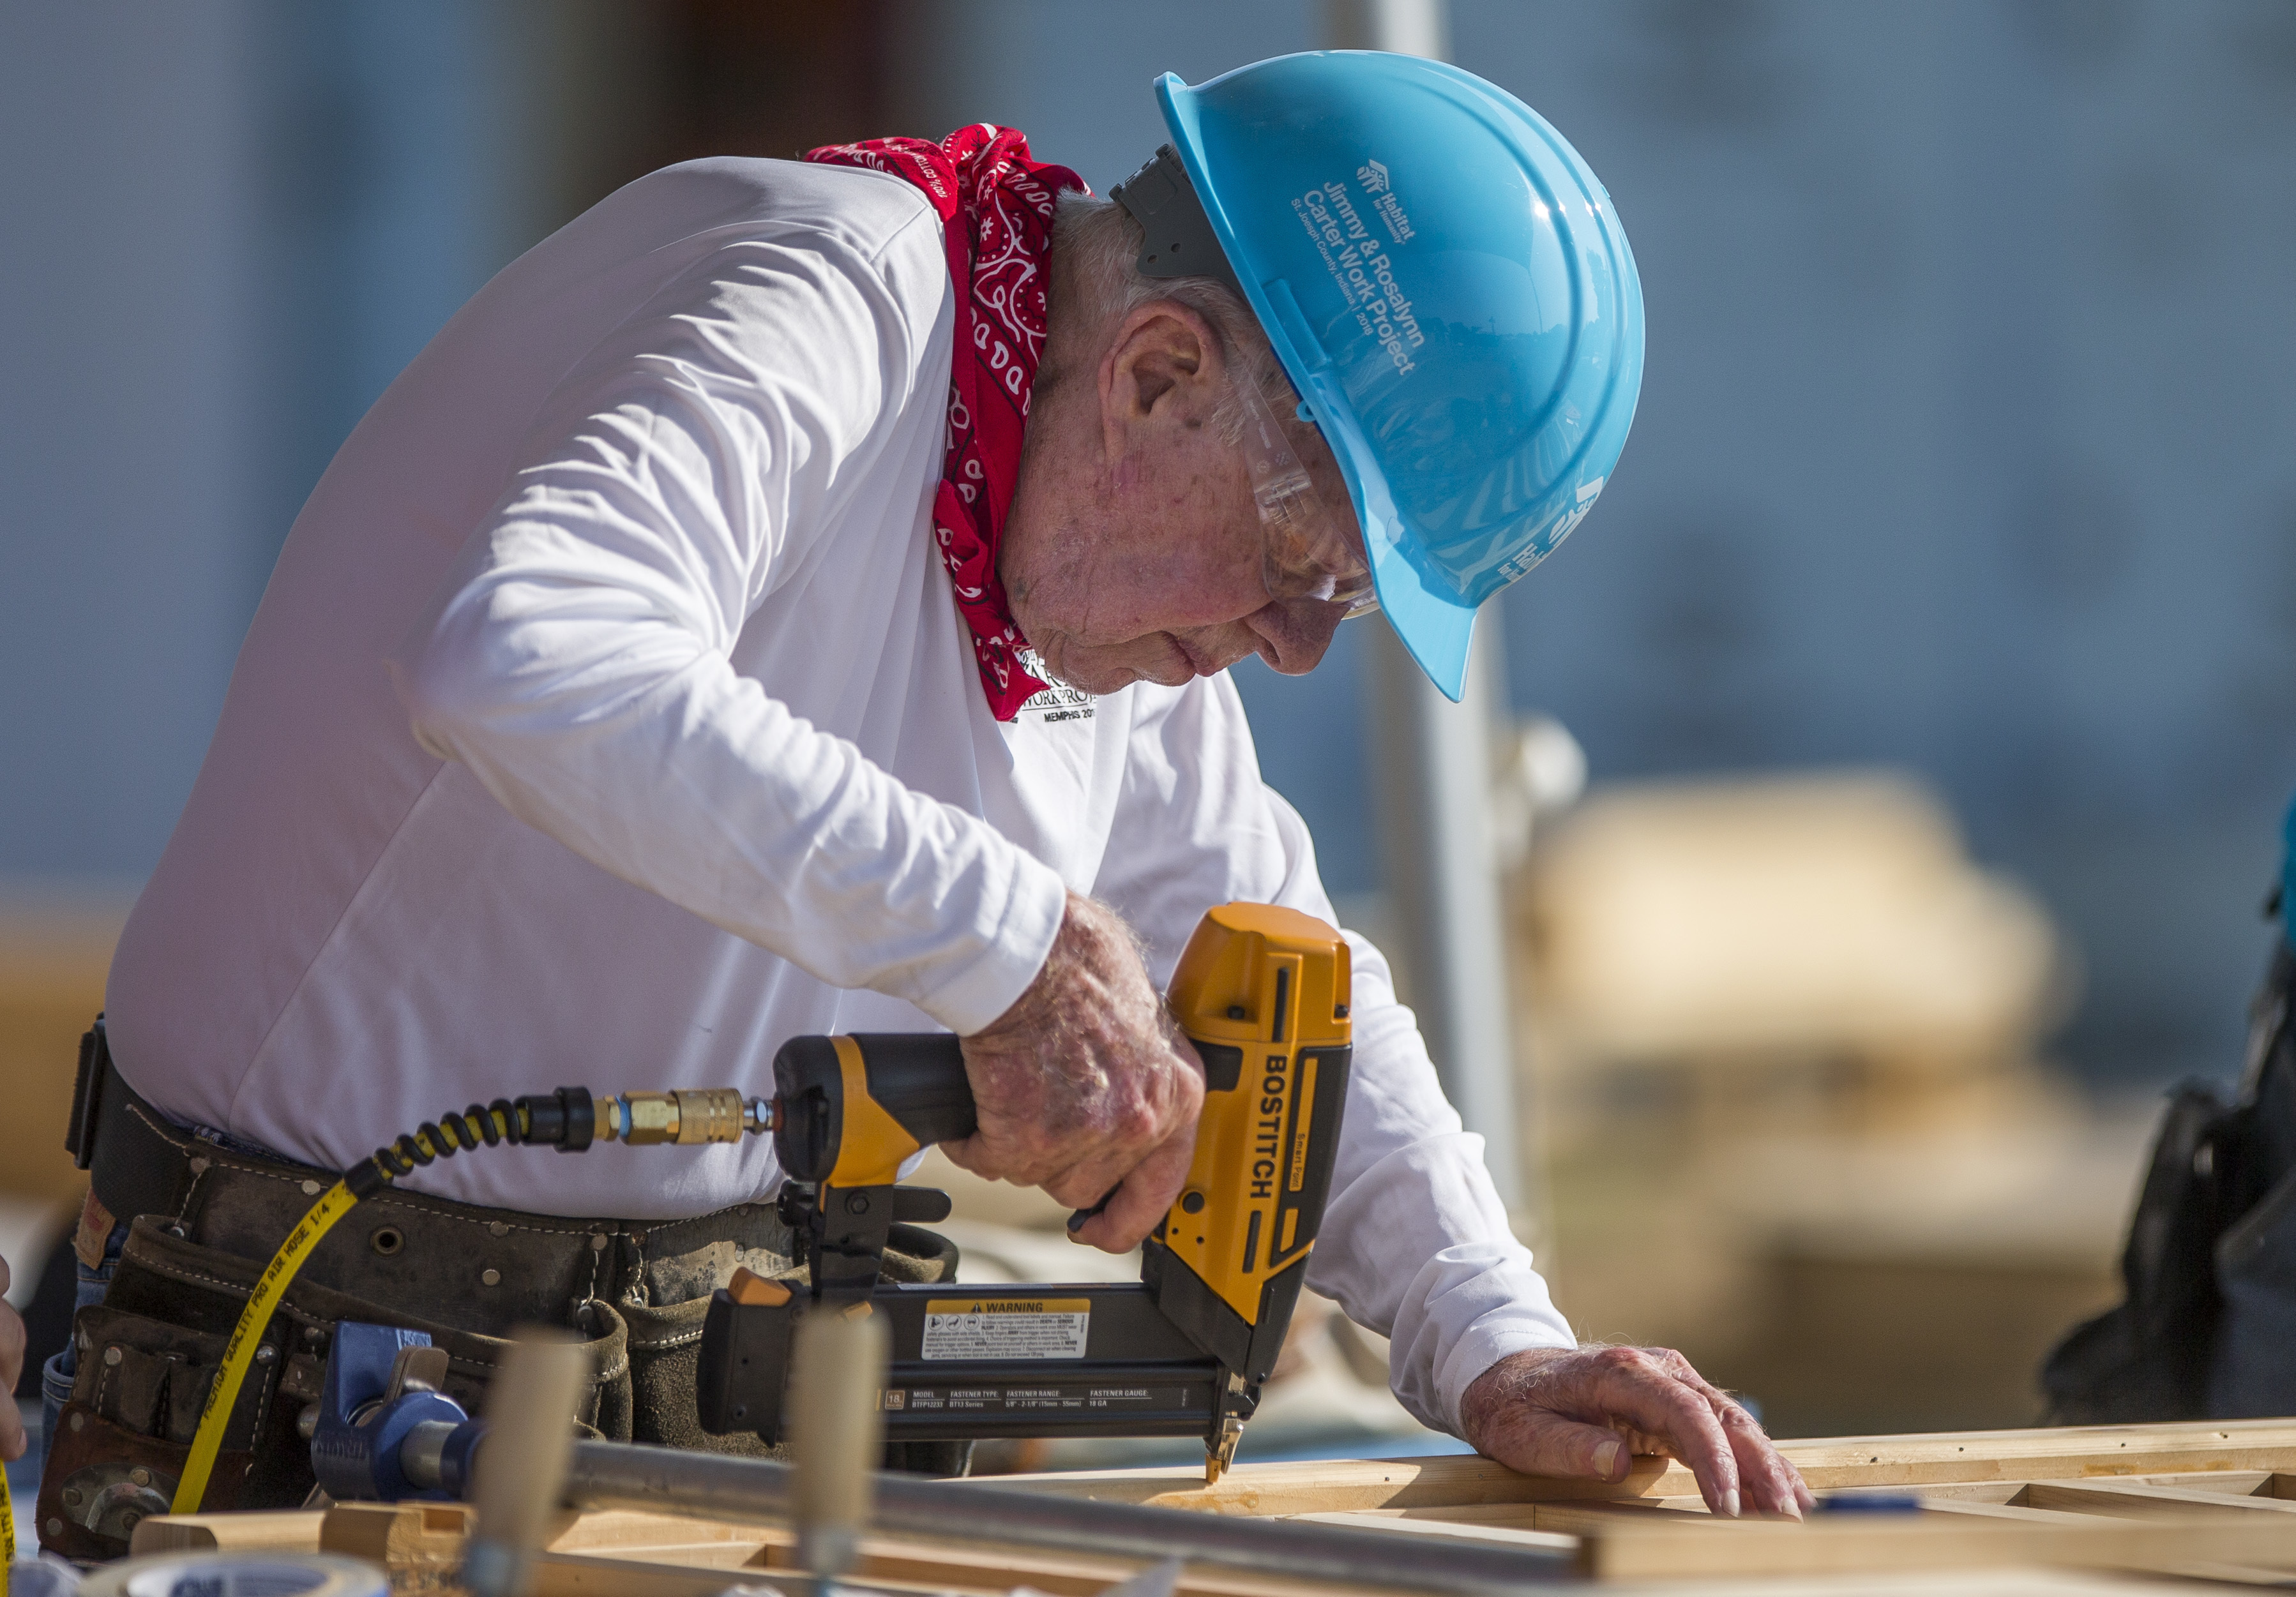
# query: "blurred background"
1888 776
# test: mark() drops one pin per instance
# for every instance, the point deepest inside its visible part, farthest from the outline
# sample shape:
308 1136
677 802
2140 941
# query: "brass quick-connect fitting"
686 1115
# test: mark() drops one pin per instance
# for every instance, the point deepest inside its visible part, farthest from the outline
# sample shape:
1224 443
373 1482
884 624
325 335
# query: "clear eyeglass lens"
1306 554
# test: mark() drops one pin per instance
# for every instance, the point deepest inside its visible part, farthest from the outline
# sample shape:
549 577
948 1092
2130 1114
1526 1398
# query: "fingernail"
1792 1509
1606 1458
1730 1503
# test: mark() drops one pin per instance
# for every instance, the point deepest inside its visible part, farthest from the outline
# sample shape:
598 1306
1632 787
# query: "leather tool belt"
205 1219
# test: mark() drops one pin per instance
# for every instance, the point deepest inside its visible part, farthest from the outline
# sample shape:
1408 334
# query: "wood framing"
2030 1513
1931 1459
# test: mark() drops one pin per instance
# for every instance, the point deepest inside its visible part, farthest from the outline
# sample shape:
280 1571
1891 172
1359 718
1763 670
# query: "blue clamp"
366 1415
1870 1502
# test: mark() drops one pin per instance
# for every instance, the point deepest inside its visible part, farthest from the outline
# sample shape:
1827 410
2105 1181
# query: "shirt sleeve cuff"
1478 1302
970 996
1493 1337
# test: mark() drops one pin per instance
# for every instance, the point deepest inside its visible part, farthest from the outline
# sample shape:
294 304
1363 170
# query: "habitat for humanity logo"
1362 272
1376 182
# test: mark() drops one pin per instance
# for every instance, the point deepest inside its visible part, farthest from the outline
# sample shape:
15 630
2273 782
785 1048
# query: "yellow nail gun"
1262 993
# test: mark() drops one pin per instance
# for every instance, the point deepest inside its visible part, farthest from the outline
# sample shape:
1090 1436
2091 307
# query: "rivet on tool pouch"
1262 993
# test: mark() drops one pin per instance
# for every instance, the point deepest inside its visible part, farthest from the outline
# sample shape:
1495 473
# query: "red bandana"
995 205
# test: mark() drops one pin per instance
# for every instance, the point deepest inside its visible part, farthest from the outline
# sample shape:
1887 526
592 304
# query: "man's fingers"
1769 1480
1145 1157
1771 1485
1101 1180
967 1156
1637 1388
996 1159
1086 1182
975 1154
1569 1449
1139 1205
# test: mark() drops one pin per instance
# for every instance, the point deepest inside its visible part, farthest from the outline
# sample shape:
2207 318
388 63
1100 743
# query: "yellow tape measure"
239 1353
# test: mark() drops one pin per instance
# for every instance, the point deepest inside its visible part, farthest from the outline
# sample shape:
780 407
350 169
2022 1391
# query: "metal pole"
1406 27
759 1491
1432 779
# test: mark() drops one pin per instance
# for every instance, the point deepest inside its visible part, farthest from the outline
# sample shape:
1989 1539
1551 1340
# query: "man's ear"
1163 368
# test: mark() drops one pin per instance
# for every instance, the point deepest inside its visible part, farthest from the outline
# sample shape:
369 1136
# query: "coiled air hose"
569 1120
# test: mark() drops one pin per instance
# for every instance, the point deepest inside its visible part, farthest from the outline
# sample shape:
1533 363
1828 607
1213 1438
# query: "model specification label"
973 1328
1077 1398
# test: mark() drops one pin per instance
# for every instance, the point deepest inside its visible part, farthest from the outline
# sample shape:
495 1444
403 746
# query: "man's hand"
12 1365
1086 1082
1586 1411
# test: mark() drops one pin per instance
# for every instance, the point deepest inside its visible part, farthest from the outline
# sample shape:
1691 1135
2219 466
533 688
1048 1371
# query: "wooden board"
618 1554
1901 1461
292 1530
2125 1509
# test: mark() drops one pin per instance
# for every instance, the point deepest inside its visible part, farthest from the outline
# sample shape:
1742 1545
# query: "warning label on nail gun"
1006 1327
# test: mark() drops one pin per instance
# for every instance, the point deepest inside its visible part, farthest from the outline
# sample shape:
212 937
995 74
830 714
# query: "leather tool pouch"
148 1352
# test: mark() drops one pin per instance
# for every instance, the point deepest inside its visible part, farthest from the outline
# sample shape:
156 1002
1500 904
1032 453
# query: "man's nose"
1294 633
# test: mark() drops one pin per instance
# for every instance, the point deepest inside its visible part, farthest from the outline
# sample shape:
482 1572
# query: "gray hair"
1097 244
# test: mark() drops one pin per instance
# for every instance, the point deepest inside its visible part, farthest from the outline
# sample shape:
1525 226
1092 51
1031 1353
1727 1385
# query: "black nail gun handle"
853 1108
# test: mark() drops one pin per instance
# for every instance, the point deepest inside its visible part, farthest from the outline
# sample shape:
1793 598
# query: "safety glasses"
1308 553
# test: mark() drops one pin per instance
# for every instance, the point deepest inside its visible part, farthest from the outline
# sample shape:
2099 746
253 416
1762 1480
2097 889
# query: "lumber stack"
2117 1509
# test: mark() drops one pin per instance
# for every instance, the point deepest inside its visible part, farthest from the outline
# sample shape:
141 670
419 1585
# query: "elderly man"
797 598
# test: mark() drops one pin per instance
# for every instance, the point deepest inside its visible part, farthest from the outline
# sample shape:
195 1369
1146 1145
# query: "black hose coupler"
565 1119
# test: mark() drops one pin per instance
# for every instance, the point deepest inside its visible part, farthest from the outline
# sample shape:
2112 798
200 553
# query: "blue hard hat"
1449 290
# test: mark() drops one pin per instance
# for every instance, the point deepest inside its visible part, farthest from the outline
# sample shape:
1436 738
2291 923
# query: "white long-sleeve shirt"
610 719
